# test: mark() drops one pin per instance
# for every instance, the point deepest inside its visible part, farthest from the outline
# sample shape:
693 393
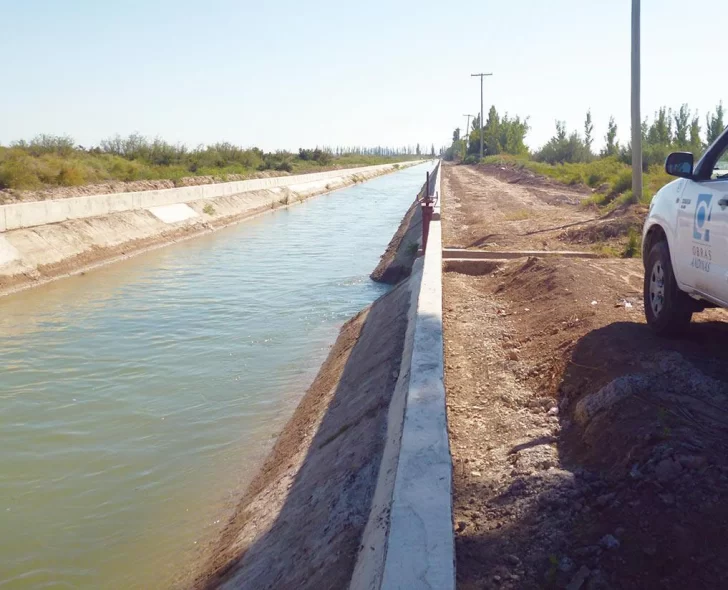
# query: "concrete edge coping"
420 546
369 566
35 213
461 254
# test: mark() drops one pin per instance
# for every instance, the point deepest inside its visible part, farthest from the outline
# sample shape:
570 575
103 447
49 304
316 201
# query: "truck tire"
668 309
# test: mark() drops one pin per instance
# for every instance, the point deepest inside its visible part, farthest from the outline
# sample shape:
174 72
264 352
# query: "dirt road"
587 452
499 208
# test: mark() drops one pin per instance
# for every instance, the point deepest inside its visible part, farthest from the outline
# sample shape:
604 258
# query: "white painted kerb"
421 551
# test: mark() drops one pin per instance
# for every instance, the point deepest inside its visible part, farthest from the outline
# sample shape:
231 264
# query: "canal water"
136 401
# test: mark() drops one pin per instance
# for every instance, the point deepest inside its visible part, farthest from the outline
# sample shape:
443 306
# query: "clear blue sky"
288 73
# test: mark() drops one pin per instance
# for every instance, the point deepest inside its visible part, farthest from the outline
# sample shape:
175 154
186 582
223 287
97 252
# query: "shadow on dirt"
639 499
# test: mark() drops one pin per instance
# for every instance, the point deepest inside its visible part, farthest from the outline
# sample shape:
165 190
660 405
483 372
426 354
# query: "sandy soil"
301 521
587 452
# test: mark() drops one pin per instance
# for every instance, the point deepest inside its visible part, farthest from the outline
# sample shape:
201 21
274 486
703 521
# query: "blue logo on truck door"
701 221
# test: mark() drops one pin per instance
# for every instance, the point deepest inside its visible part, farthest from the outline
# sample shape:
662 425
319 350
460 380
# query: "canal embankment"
44 240
356 492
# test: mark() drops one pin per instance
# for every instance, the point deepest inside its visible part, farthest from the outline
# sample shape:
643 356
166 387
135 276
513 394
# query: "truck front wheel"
667 308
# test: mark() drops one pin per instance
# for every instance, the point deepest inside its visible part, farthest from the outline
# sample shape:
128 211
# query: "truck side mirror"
680 164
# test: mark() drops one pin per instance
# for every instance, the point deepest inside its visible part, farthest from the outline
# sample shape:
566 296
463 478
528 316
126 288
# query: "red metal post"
426 218
427 210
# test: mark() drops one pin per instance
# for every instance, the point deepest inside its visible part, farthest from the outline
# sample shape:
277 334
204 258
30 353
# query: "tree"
500 135
560 149
611 147
560 130
491 133
432 150
588 130
417 151
682 127
715 124
660 132
696 144
456 134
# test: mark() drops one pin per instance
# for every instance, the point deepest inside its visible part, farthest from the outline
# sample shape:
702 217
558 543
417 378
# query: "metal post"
636 115
427 210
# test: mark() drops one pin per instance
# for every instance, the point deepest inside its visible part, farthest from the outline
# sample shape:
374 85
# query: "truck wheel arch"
654 234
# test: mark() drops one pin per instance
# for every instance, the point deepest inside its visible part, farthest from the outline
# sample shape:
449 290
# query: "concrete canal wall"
44 240
357 490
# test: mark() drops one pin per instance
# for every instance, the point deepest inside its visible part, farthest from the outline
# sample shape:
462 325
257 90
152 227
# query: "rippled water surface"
137 400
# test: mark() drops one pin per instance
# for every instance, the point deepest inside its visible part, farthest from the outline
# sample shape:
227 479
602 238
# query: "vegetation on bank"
48 161
569 156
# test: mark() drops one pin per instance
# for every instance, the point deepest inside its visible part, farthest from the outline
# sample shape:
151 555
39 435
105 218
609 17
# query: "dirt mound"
615 226
301 521
587 451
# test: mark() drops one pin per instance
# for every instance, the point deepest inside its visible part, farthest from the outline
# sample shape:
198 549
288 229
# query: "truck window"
720 170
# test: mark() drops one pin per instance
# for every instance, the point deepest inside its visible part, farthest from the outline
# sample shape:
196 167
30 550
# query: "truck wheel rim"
657 288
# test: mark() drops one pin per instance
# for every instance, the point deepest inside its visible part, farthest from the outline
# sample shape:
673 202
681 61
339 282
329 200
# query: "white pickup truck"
685 240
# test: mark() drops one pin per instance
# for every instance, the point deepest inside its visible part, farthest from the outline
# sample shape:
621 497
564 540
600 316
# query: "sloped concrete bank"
42 241
357 490
399 257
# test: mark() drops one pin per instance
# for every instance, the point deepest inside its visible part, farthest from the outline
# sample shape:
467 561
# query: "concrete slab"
421 549
8 252
173 213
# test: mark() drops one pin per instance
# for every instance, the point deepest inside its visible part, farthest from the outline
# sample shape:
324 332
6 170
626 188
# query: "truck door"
703 233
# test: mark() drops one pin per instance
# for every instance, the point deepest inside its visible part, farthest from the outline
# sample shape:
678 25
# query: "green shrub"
18 174
632 247
622 182
71 175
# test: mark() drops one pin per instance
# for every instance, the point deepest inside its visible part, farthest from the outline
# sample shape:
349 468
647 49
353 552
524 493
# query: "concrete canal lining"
31 214
45 240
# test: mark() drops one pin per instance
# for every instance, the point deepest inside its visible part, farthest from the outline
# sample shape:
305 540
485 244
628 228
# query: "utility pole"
636 115
467 134
467 125
481 109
